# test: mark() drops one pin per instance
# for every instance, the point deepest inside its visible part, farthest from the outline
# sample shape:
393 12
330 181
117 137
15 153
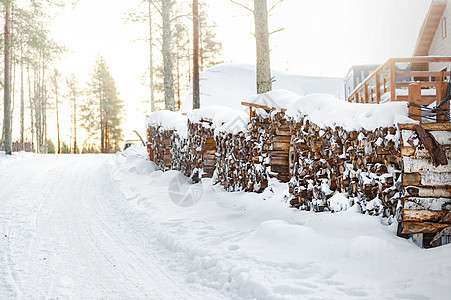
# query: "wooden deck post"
378 87
440 94
392 80
415 98
366 100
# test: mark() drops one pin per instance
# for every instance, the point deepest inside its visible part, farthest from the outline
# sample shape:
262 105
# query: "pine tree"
102 111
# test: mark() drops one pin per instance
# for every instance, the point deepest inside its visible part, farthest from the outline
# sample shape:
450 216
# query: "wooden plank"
423 84
417 227
413 215
428 126
434 204
422 74
428 191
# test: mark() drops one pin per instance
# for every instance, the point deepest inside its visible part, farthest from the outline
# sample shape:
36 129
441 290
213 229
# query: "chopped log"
435 204
426 216
428 191
419 227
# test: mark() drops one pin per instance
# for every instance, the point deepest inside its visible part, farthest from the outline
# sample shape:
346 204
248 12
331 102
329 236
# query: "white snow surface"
104 226
278 99
229 84
327 111
169 120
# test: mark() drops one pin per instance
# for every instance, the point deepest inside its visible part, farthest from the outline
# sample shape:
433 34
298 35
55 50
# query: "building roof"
429 27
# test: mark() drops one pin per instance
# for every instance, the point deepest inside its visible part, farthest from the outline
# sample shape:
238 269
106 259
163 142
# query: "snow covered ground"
112 226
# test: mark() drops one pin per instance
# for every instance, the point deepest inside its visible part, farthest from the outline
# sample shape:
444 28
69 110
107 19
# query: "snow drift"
230 83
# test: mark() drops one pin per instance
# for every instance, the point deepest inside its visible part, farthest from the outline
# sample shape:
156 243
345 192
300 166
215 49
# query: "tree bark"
168 77
264 82
7 82
151 76
196 92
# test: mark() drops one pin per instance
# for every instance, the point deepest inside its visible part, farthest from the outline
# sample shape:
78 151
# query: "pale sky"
322 37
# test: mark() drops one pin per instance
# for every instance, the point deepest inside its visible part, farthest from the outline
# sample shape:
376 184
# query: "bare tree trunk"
196 93
55 82
264 82
7 82
102 120
151 76
30 98
22 102
75 124
167 56
179 103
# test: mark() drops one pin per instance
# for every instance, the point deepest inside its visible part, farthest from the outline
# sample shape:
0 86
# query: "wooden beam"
421 74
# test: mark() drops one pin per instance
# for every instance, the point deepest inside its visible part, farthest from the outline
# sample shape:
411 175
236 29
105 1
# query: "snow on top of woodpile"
221 118
328 111
277 99
206 113
169 120
229 84
233 122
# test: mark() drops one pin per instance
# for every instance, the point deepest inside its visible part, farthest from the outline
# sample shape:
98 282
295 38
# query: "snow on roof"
277 99
229 84
169 120
328 111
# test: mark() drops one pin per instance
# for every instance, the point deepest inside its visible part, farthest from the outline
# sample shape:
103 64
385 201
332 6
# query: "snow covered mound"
230 83
223 118
169 120
328 111
277 99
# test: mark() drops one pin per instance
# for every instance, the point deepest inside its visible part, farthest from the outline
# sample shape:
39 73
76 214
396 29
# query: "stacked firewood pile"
426 154
179 152
363 164
199 161
271 137
239 167
159 142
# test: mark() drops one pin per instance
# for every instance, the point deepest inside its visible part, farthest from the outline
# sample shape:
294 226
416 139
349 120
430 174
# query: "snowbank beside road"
251 245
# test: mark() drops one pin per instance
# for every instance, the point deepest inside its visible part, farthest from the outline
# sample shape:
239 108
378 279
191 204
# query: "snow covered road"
62 235
104 226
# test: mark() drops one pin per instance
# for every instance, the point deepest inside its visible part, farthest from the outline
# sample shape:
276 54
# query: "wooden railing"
387 84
